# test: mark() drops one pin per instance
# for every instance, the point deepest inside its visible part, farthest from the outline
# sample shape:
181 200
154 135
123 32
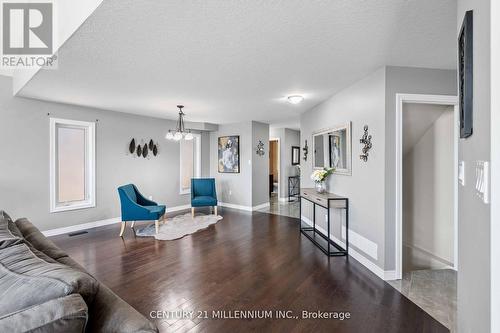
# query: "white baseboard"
363 244
78 227
264 205
100 223
240 207
245 208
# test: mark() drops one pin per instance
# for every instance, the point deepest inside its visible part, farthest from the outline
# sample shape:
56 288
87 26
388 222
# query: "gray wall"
410 81
24 165
363 104
249 187
288 138
260 164
234 188
428 194
372 101
474 216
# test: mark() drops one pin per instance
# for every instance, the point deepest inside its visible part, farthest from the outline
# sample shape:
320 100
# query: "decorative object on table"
203 194
145 151
260 148
139 150
365 140
319 177
179 226
151 145
180 131
131 146
135 207
338 142
305 150
229 154
155 150
295 155
465 75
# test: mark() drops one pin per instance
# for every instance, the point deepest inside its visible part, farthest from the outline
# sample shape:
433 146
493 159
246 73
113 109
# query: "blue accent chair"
203 193
135 207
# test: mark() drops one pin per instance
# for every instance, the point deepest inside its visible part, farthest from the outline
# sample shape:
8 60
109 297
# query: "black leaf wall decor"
131 146
143 148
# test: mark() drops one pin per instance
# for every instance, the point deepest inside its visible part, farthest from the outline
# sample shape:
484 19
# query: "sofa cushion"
27 279
38 240
64 314
9 233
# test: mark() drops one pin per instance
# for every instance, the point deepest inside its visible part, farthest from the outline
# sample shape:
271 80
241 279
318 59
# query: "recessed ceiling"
230 61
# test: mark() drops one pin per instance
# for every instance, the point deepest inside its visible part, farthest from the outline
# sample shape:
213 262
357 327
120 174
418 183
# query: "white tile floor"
434 291
284 208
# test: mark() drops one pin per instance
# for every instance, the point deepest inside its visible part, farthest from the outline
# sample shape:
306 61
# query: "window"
190 162
72 165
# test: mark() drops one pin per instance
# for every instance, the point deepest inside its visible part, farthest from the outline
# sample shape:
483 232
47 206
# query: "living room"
223 166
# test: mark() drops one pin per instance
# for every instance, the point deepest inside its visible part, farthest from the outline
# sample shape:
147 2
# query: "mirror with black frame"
332 149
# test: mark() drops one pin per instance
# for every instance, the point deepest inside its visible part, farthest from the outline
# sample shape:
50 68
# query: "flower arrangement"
321 175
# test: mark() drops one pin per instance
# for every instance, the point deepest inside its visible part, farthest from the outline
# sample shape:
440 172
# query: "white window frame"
197 163
89 201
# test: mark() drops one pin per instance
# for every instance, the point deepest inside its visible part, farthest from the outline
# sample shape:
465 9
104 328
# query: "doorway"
427 203
274 169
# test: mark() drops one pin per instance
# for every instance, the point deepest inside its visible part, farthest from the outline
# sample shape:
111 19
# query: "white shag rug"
179 226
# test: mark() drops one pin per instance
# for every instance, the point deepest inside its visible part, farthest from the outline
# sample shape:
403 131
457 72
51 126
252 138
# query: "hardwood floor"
246 261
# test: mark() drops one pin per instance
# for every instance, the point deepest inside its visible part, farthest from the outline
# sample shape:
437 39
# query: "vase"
321 187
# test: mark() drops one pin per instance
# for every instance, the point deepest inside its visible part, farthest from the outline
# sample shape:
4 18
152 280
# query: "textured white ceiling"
417 119
236 60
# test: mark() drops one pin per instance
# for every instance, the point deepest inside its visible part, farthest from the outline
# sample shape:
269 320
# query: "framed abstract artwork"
465 75
229 154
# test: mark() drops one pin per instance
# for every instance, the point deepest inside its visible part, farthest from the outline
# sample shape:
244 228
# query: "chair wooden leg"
192 212
215 210
157 226
132 225
122 230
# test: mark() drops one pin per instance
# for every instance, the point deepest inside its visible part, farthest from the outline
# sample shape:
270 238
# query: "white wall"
428 194
474 222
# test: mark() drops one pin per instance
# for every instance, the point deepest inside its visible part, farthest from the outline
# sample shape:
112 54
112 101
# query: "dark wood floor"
245 262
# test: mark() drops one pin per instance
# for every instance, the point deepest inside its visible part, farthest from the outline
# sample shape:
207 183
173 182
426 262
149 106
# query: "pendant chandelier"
180 132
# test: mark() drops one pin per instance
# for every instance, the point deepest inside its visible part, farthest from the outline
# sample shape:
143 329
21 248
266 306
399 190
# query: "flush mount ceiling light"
180 132
295 99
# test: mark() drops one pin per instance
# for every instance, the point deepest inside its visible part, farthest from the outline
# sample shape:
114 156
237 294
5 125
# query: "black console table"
327 201
293 187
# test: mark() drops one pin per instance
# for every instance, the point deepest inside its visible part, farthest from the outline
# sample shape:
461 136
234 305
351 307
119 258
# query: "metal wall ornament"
142 149
131 146
365 140
260 148
305 150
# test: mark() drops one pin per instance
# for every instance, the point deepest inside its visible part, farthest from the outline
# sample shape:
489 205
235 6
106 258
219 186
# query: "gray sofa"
43 290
